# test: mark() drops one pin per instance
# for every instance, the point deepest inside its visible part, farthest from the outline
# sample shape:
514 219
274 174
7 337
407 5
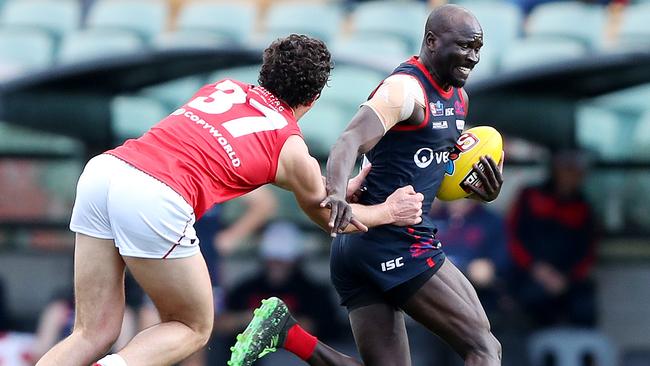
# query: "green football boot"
264 334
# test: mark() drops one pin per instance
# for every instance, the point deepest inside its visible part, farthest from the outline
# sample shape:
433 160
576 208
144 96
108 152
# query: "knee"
482 343
100 337
495 347
485 346
203 332
200 332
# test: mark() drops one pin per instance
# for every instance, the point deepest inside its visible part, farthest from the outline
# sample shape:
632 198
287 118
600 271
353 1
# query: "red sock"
300 343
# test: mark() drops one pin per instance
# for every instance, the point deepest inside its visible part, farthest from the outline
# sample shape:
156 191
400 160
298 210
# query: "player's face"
457 52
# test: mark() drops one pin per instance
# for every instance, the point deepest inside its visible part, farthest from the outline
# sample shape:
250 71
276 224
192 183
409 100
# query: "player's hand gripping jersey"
223 143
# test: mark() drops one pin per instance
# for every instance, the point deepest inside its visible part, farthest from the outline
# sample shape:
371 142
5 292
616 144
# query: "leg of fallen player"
180 289
274 327
99 299
448 306
325 355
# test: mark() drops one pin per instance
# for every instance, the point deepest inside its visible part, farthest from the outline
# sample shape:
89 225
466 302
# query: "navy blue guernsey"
416 155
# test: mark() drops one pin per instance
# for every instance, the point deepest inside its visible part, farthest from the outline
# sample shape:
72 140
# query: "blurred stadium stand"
38 169
321 20
140 17
559 20
96 43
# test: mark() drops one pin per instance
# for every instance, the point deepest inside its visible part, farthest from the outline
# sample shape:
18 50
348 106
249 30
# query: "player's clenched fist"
405 206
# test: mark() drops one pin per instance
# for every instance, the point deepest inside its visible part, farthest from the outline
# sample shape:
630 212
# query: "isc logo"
392 264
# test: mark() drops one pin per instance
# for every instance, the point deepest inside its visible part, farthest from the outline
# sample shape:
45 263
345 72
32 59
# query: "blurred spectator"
217 240
474 239
57 319
552 244
281 275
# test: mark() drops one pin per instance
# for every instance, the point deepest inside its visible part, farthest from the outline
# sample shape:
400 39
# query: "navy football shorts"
384 265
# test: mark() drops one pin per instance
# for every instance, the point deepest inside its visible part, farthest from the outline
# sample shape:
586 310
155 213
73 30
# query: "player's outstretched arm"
363 132
300 173
398 99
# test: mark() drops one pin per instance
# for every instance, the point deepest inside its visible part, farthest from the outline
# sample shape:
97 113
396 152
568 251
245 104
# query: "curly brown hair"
295 69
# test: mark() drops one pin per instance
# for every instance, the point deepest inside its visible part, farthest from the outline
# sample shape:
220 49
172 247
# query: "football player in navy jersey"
406 129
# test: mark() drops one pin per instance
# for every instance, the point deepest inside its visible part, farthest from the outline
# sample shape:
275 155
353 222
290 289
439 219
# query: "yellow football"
472 144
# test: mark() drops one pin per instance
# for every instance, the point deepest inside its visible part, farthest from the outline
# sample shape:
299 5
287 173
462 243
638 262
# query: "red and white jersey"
223 143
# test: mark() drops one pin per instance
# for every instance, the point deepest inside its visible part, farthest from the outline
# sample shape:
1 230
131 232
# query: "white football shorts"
145 217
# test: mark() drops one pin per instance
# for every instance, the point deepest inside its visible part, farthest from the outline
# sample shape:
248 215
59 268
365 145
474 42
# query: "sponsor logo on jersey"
460 108
449 111
425 156
437 109
439 125
472 178
227 148
460 124
465 142
392 264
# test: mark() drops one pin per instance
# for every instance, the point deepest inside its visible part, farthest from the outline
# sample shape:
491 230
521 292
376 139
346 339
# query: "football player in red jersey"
136 204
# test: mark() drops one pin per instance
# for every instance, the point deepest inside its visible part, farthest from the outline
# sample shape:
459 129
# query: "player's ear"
430 40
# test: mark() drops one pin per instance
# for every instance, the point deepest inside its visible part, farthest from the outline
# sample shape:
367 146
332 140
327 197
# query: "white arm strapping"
395 99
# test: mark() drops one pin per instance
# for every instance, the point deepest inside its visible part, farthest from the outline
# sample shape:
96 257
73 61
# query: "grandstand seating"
25 49
628 104
379 18
93 44
641 137
322 125
635 27
349 86
598 130
37 33
133 115
56 17
321 20
378 49
145 18
16 140
233 21
246 74
558 20
534 52
174 93
188 39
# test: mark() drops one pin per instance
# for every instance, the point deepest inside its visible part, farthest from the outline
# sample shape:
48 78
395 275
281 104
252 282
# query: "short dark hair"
295 69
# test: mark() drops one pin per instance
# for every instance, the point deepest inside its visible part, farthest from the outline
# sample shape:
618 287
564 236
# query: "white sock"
112 360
